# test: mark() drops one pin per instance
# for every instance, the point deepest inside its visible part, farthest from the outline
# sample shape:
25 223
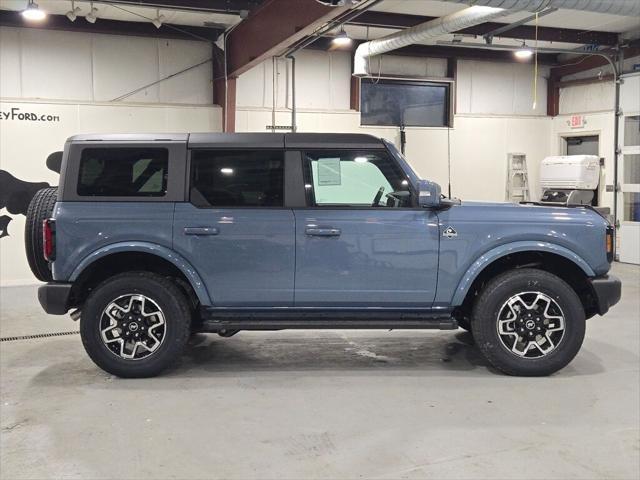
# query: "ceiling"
223 14
199 13
131 13
560 19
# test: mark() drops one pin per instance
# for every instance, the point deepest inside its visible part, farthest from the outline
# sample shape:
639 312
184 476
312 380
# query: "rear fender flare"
159 251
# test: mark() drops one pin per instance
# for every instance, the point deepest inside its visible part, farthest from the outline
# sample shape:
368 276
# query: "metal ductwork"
614 7
482 11
435 28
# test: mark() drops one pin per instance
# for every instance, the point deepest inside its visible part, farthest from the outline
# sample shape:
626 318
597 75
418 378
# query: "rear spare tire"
40 208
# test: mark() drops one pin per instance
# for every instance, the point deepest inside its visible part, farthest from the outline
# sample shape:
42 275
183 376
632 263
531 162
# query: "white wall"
74 77
323 83
24 146
47 64
593 97
500 88
479 146
408 66
495 115
323 80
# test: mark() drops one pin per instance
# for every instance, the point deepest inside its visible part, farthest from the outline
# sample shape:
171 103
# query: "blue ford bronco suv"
149 238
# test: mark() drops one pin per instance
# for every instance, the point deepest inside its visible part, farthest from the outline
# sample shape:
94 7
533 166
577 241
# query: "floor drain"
39 335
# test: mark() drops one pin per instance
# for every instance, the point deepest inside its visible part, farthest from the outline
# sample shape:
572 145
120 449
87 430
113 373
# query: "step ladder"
517 178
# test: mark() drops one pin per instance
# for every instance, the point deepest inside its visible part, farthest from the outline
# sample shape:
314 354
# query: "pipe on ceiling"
466 18
614 7
482 11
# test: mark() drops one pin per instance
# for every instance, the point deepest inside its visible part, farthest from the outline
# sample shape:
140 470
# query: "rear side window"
123 172
237 178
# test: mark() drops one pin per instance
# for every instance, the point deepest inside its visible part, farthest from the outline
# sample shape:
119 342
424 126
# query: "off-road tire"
166 294
40 208
487 308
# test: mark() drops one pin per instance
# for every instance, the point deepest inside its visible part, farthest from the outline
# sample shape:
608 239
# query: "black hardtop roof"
244 140
284 140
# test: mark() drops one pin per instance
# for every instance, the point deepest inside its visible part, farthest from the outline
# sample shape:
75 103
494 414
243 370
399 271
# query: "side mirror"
428 194
54 162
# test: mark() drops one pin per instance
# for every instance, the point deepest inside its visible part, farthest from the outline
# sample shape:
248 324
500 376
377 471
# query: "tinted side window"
123 172
237 178
356 178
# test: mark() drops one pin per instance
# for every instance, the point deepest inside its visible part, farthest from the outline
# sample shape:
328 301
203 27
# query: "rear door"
362 242
235 230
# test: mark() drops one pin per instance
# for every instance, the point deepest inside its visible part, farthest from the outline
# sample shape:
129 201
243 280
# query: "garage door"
629 168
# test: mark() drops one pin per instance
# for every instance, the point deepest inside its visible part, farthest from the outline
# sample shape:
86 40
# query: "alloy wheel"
531 324
132 326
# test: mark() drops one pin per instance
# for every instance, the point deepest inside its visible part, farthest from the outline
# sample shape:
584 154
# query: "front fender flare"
159 251
498 252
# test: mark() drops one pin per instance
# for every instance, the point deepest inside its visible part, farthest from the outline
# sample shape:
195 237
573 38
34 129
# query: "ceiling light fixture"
524 52
159 20
342 39
93 15
73 13
33 12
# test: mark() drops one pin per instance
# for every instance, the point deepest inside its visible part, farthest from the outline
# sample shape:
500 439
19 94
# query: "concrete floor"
325 404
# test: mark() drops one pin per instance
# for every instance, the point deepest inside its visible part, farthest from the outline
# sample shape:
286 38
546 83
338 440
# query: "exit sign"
577 121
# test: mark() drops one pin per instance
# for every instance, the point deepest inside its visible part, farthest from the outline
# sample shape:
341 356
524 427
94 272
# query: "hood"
523 212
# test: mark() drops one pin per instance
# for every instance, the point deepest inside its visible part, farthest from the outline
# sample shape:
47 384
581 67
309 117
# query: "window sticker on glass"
329 171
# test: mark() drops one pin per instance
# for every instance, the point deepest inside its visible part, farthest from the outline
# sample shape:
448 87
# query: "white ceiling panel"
561 19
418 7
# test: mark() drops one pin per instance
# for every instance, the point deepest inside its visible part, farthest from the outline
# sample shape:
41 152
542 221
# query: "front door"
235 230
362 242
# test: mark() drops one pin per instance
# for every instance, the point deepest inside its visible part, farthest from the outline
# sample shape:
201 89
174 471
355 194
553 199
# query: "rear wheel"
40 208
135 324
528 322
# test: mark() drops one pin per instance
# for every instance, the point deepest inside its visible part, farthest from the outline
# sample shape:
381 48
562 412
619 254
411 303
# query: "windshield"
411 173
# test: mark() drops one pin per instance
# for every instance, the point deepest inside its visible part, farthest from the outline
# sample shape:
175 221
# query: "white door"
629 171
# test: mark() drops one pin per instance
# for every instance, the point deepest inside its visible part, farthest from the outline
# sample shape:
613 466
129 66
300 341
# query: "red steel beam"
553 97
586 81
216 6
229 116
271 28
588 62
355 93
579 64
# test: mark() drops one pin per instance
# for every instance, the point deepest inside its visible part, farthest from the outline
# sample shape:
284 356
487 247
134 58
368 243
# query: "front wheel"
528 322
135 324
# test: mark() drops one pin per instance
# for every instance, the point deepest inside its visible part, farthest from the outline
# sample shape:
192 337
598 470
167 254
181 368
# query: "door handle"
314 231
201 231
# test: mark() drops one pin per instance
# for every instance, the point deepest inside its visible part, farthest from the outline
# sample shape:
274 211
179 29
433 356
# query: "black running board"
215 320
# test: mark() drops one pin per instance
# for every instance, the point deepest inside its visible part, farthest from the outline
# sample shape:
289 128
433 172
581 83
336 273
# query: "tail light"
610 242
49 239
